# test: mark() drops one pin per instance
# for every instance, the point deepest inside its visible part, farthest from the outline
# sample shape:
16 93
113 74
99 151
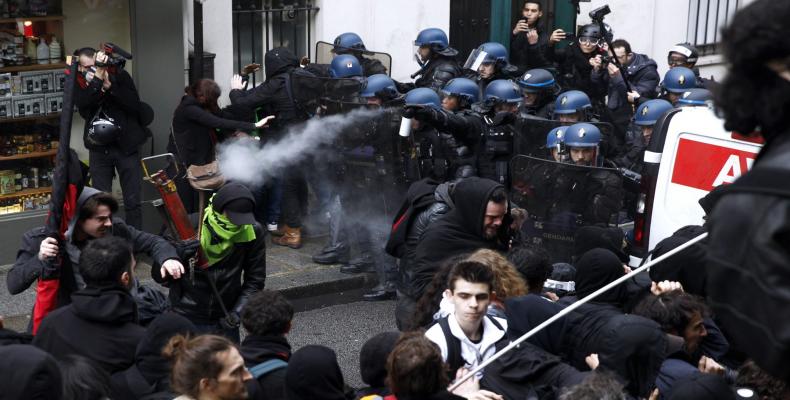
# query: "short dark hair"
498 196
672 310
83 379
88 209
85 51
415 368
104 260
540 5
533 264
471 271
622 43
193 359
267 313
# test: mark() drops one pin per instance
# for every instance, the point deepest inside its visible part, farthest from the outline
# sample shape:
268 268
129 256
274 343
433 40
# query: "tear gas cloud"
245 161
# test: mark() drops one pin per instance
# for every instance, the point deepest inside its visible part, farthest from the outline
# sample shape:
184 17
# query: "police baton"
574 306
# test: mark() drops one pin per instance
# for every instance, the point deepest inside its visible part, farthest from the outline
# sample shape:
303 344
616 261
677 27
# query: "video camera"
599 13
116 56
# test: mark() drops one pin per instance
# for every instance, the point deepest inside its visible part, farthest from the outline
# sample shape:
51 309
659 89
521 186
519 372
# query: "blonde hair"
507 281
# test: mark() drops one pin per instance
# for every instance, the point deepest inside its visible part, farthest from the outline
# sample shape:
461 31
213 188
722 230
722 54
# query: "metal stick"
574 306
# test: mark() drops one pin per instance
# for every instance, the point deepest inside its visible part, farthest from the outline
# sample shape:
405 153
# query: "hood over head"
526 312
471 199
373 358
34 373
105 304
87 193
587 238
313 373
149 360
594 270
279 60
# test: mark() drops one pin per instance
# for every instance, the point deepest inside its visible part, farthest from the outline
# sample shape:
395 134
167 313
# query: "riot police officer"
639 135
436 59
696 98
488 63
603 188
459 94
539 90
677 81
351 43
572 106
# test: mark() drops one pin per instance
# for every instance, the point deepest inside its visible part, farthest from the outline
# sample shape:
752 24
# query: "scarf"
218 235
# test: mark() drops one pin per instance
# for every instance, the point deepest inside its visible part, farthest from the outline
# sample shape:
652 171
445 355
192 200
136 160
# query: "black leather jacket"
237 276
748 282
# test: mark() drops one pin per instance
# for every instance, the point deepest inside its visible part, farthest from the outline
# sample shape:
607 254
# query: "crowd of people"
479 156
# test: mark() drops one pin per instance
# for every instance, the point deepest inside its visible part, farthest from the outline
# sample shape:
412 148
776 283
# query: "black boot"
379 293
386 272
336 251
359 264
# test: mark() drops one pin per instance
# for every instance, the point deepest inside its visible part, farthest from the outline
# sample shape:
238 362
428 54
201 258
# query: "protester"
373 365
234 246
83 380
532 263
267 319
28 373
597 386
101 321
507 281
467 337
150 373
528 42
194 137
206 367
94 219
313 374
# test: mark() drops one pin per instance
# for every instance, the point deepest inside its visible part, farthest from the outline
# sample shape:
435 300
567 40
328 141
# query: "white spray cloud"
244 161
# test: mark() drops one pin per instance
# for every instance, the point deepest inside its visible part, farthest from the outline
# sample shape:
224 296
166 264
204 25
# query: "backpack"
454 359
419 197
267 367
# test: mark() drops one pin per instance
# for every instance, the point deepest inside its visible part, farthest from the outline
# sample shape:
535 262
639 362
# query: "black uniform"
435 74
121 103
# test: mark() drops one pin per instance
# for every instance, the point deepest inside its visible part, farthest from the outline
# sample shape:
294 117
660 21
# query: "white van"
689 154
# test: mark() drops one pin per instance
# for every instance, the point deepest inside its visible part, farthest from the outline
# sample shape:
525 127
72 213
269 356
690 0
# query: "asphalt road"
343 328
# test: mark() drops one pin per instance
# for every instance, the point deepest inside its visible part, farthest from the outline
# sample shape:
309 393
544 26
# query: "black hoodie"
459 231
259 349
151 371
280 66
27 373
313 374
100 323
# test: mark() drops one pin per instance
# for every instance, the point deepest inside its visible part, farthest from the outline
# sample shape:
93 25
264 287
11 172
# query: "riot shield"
560 198
324 55
531 137
311 91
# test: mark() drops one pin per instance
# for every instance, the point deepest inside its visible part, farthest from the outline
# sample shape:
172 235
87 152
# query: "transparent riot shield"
560 198
475 60
324 53
531 137
333 95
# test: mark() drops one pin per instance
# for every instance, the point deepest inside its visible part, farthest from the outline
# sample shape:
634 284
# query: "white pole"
574 306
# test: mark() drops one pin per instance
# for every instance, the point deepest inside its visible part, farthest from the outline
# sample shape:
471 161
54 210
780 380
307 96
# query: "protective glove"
503 118
231 321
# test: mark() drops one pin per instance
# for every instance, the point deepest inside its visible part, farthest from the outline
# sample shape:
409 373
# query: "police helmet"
648 112
502 91
686 50
582 134
679 80
436 39
495 53
536 81
423 97
556 137
379 85
571 102
463 88
103 130
348 41
345 66
695 97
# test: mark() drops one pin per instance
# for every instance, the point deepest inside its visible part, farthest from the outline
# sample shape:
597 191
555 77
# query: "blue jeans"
268 199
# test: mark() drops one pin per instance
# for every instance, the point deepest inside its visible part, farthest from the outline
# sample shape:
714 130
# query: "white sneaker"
271 227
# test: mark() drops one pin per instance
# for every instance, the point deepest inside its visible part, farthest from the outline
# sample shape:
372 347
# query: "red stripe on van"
704 166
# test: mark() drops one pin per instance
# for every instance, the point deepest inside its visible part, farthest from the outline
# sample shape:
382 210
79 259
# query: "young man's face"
582 155
424 52
471 301
450 103
531 13
555 154
486 70
529 98
495 213
694 333
647 132
678 60
622 56
229 384
99 225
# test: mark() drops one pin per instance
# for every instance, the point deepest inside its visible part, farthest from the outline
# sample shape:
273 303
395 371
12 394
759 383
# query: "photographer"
108 101
574 66
528 44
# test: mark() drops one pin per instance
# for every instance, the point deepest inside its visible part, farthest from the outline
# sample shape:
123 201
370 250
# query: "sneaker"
271 226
